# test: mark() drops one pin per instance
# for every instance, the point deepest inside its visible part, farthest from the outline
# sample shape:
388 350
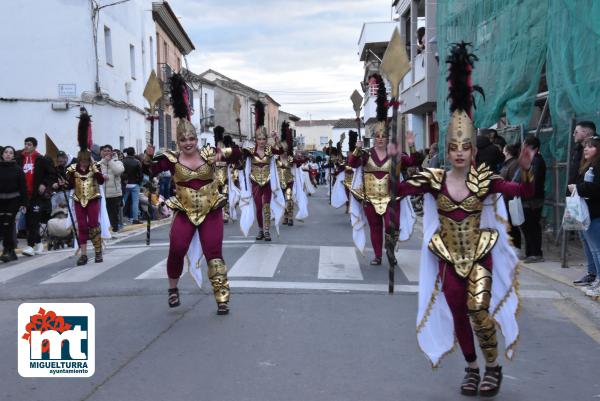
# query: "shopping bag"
515 208
577 215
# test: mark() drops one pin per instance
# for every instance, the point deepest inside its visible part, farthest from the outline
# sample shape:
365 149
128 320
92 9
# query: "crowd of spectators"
34 190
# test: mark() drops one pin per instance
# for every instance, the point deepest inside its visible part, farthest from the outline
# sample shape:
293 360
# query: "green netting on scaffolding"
514 39
509 37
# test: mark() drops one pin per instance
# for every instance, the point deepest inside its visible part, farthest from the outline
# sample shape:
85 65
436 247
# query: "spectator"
510 172
532 208
133 180
112 169
487 152
500 142
164 183
13 195
432 159
583 130
39 177
587 184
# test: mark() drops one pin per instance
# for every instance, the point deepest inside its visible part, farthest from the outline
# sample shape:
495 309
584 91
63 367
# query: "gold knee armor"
217 274
479 294
266 217
94 234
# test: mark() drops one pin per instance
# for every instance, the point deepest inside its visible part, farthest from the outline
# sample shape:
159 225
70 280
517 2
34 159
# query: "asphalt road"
310 320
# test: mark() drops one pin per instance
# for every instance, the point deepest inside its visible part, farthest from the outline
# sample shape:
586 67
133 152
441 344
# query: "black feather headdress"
352 138
460 86
259 114
382 107
179 97
84 130
286 136
218 132
228 141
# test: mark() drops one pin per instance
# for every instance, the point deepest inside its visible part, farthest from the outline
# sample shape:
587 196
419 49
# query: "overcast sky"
298 51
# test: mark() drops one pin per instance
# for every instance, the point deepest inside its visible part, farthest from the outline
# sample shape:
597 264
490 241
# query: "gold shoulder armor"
290 159
71 169
429 176
268 150
169 155
208 153
479 179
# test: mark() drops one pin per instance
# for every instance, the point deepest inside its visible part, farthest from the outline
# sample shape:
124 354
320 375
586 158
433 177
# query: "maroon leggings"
376 224
261 196
87 217
182 232
455 291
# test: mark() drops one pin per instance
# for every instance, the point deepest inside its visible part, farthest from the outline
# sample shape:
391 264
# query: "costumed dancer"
468 273
221 170
85 177
197 202
260 159
376 165
233 183
287 163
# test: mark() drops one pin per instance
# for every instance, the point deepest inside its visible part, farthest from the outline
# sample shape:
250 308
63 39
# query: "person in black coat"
587 183
13 195
487 152
39 178
532 207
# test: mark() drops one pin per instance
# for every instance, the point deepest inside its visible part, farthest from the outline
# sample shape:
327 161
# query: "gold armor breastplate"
377 189
284 170
259 169
86 186
470 204
462 243
196 203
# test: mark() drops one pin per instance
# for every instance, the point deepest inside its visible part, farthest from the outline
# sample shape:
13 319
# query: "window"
169 132
132 60
324 140
108 46
161 129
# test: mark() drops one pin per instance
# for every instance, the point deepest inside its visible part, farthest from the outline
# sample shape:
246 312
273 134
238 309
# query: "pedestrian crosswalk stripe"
258 261
91 270
327 286
157 271
408 262
30 264
338 263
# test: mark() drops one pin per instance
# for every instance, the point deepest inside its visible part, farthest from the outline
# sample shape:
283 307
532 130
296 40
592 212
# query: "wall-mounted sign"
67 90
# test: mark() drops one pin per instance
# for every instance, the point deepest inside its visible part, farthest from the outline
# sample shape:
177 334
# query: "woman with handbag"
587 186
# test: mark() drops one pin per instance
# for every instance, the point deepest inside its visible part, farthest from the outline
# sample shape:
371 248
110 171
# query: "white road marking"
158 271
303 285
408 262
338 263
30 264
91 270
258 261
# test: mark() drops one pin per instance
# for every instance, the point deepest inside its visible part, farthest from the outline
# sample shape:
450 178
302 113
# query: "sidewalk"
125 232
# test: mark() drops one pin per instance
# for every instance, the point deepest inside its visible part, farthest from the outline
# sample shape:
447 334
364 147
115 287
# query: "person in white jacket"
112 168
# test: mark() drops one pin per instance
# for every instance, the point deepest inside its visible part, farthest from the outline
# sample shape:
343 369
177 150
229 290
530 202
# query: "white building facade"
64 63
